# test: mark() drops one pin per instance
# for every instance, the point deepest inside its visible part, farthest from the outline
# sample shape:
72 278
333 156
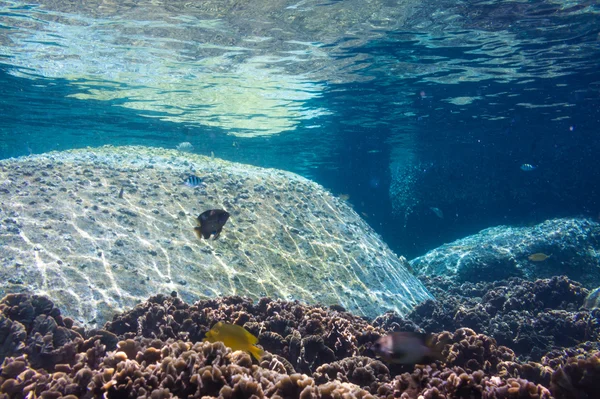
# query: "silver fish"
438 212
526 167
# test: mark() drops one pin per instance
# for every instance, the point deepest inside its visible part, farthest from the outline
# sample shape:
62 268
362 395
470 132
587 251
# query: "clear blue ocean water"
465 133
404 107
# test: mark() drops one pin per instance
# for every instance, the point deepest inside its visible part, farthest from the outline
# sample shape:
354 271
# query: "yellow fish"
538 257
235 337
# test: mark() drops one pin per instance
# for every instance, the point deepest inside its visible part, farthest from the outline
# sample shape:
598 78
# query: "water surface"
404 106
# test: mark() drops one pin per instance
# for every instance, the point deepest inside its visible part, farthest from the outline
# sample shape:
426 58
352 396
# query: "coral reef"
577 378
530 317
156 351
174 369
358 370
31 325
429 382
308 336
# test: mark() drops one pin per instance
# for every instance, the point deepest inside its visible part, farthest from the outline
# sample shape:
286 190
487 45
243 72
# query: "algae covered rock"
567 246
99 230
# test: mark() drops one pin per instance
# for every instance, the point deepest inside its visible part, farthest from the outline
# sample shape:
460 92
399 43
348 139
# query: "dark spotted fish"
211 222
408 348
193 181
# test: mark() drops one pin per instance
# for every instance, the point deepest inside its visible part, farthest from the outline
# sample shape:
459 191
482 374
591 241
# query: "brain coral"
69 234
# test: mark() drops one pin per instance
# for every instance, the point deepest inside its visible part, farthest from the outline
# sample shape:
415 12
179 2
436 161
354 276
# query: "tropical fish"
538 257
438 212
193 181
592 301
344 197
234 337
121 192
185 146
561 382
408 348
211 222
528 167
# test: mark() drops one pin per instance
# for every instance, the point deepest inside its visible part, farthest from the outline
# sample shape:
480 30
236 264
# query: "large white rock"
65 233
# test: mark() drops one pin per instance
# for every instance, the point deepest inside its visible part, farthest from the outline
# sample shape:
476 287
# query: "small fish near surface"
193 181
408 348
235 337
211 222
438 212
526 167
538 257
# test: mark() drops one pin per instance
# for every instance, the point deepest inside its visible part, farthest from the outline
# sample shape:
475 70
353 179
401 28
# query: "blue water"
401 109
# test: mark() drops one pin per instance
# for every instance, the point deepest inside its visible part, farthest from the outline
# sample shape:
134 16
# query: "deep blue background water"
464 159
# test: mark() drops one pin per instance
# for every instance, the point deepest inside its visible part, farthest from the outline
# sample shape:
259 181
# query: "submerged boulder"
99 230
567 246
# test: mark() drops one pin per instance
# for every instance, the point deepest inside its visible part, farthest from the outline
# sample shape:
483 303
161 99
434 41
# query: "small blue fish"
193 181
528 167
438 212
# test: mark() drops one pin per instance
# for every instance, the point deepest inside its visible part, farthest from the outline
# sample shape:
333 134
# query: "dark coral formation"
33 326
177 369
577 378
156 350
530 317
307 336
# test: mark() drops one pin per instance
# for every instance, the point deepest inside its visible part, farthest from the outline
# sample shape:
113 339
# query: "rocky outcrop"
99 230
568 247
